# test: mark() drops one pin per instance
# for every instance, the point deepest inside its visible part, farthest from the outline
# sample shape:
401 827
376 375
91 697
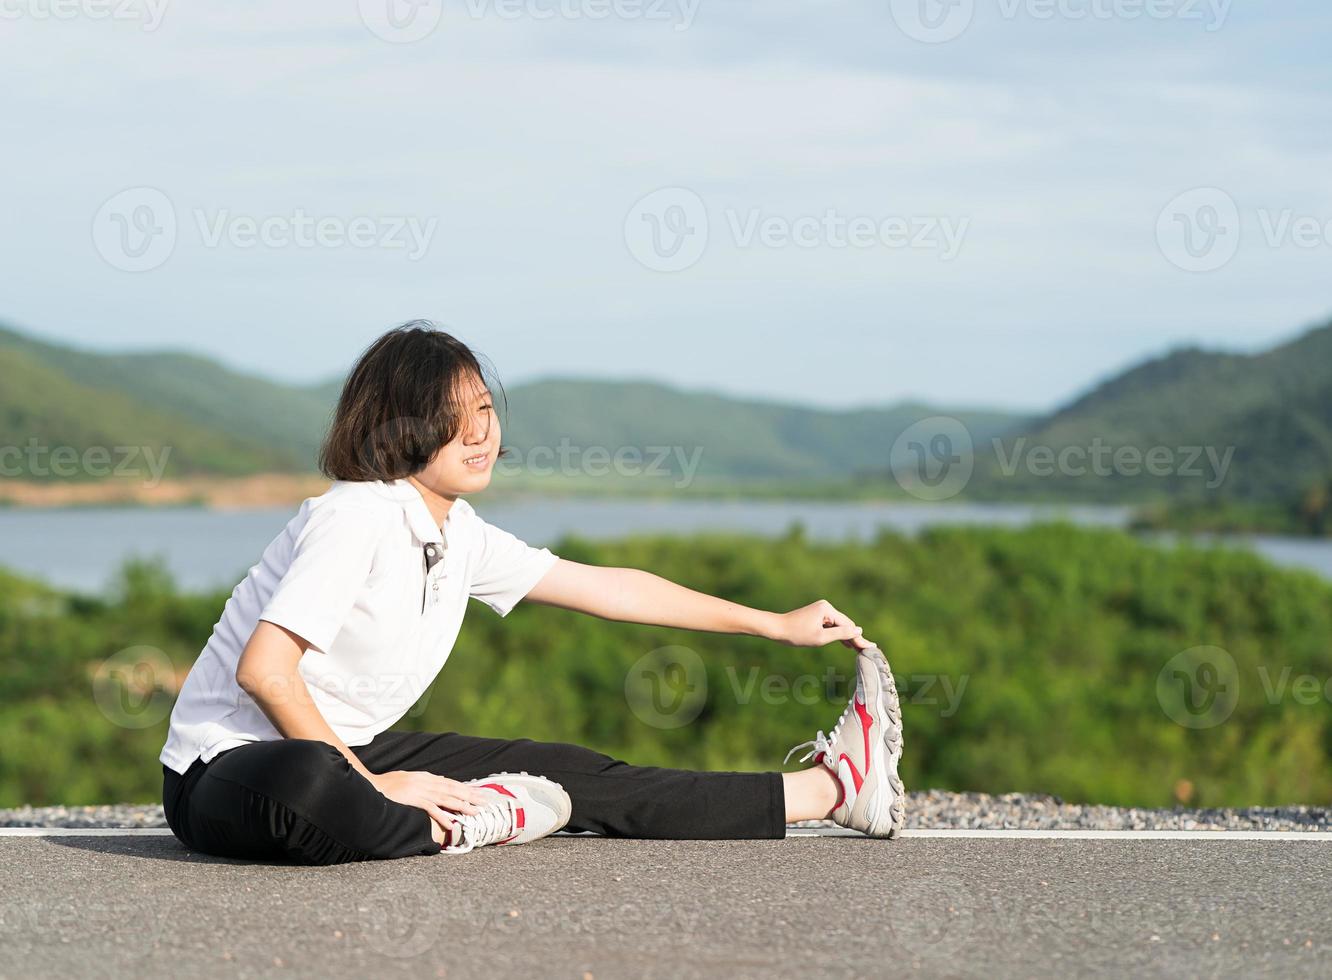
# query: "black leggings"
300 800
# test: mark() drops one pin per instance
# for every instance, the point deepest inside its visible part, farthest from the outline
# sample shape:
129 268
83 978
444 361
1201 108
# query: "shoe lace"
822 743
493 822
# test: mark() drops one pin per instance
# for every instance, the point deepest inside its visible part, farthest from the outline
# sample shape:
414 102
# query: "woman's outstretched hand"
817 624
438 796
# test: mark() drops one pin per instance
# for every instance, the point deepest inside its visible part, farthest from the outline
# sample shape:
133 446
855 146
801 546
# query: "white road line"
85 831
1225 835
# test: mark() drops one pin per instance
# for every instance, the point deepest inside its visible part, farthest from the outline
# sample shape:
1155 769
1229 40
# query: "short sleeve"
507 568
330 562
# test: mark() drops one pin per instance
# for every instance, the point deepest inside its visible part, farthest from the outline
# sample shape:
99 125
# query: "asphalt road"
577 906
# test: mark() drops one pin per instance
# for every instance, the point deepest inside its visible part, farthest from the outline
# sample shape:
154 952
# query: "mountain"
1245 427
269 425
49 420
729 437
221 421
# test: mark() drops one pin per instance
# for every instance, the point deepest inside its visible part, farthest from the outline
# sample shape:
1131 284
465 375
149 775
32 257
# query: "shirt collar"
419 518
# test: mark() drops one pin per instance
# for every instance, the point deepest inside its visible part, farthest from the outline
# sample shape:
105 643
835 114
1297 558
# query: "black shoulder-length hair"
401 402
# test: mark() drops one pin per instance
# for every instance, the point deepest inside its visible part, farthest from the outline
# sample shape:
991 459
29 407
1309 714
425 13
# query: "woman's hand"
438 796
817 624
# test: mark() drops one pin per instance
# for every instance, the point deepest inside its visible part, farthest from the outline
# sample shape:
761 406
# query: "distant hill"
221 421
49 417
1272 411
733 437
267 425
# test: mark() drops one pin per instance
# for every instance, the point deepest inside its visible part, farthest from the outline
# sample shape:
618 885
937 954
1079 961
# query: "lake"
80 548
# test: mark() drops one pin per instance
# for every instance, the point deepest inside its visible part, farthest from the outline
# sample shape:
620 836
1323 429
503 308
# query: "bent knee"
299 772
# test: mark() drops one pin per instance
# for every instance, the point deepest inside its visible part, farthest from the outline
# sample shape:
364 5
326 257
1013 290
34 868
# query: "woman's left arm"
630 595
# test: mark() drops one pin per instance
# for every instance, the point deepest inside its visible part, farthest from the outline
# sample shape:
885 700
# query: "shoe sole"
890 709
565 810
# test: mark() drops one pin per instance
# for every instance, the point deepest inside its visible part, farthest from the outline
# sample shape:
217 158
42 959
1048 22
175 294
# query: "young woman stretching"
280 744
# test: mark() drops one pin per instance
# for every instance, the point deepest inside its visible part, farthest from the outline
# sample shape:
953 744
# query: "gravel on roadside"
930 809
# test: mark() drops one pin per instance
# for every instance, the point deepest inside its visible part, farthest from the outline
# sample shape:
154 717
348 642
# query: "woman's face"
465 464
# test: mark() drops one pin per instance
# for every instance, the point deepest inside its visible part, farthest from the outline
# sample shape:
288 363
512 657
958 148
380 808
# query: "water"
82 548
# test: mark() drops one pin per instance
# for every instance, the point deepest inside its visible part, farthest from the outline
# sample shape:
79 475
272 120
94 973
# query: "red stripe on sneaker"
499 788
866 723
521 820
855 776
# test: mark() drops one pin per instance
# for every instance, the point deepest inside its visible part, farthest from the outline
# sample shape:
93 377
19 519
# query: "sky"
836 202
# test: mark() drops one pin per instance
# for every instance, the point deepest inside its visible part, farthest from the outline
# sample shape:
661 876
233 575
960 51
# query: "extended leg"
610 797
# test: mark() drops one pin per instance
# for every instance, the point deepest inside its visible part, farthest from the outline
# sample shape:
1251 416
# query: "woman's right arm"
267 672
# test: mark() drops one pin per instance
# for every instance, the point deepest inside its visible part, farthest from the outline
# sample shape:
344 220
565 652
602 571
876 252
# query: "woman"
280 743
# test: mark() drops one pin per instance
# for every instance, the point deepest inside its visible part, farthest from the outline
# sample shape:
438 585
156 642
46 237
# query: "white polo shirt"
349 574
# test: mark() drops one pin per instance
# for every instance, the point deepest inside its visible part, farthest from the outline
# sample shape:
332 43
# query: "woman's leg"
811 794
609 797
295 800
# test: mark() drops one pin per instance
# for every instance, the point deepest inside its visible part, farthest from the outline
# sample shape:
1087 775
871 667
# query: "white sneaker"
863 752
519 808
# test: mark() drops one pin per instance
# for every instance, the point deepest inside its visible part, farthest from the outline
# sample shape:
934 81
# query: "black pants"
300 800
